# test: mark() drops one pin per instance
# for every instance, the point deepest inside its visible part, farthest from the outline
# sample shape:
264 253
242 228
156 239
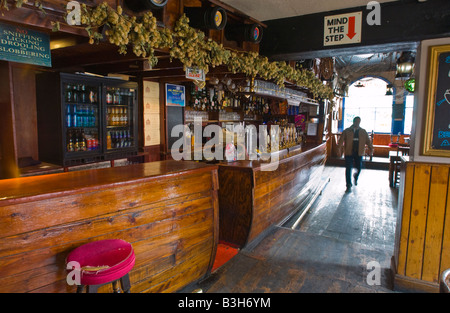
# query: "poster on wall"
437 123
18 44
175 95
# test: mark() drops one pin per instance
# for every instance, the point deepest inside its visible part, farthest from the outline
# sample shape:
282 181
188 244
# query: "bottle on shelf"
116 96
69 93
81 141
69 141
75 94
83 94
74 116
68 116
109 97
125 117
108 141
121 118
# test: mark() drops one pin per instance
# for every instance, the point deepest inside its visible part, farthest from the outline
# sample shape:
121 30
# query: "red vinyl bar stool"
103 262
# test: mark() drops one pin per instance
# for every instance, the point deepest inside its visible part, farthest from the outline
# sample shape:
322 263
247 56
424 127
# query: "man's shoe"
355 179
349 188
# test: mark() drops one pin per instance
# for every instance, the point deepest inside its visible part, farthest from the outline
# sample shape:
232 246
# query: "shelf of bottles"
213 99
81 104
119 118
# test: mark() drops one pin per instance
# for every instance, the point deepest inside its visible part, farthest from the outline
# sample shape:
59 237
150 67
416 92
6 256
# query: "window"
367 99
409 104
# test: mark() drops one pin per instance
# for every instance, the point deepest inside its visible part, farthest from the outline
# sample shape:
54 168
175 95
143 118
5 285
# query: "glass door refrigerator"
84 119
120 127
81 104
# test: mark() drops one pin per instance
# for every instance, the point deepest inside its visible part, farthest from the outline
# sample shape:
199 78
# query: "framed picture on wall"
437 115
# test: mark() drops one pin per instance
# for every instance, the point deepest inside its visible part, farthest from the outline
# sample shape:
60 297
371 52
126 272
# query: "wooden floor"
328 251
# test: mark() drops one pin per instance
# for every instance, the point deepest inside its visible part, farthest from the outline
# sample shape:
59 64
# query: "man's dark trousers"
351 160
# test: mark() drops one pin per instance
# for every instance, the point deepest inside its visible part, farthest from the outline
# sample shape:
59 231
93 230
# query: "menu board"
441 123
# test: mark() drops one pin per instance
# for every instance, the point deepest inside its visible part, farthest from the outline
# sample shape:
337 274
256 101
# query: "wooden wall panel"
435 223
423 235
417 224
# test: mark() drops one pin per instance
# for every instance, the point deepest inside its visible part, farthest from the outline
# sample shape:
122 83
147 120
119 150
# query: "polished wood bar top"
17 190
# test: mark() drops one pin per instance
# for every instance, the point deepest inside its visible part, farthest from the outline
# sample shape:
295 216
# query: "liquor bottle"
108 140
116 96
75 139
83 94
121 118
109 97
82 141
115 117
75 95
75 116
68 116
121 139
69 93
125 117
70 147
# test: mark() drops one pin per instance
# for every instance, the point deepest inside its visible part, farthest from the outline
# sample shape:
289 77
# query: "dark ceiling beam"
88 55
403 24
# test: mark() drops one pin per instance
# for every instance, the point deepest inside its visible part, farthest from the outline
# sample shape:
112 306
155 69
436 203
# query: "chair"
367 150
103 262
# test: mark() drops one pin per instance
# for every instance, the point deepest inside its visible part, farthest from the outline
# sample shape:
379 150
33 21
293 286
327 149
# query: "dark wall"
403 24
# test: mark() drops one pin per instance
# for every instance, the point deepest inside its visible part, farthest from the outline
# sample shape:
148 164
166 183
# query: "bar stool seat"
102 262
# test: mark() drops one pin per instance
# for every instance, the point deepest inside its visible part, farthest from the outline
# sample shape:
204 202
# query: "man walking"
354 139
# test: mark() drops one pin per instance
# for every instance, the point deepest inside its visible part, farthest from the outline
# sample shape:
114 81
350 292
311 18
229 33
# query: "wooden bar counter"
252 197
167 210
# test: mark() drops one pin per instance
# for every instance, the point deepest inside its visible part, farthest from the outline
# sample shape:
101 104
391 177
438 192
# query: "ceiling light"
389 90
405 65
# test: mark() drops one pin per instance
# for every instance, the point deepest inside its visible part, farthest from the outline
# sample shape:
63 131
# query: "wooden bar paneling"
251 199
422 238
167 210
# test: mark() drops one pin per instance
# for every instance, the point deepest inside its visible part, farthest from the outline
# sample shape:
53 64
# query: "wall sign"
342 29
195 73
437 123
175 95
18 44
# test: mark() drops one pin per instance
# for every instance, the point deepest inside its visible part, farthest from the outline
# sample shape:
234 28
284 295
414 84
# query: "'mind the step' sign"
18 44
342 29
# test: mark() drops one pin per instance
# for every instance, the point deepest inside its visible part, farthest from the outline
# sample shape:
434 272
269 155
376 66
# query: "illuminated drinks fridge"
84 119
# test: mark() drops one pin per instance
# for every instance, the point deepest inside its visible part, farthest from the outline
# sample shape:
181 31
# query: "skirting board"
407 284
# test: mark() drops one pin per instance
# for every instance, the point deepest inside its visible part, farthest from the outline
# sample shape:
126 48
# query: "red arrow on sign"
351 27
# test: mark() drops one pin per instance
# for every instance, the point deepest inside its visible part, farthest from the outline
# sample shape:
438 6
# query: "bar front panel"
169 220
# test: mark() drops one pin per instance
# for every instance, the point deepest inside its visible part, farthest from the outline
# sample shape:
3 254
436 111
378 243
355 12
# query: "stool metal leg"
116 288
126 285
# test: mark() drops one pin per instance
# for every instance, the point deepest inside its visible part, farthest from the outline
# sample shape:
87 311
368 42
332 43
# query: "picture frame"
437 112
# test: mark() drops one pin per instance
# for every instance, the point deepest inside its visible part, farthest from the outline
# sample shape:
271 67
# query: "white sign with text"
342 29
